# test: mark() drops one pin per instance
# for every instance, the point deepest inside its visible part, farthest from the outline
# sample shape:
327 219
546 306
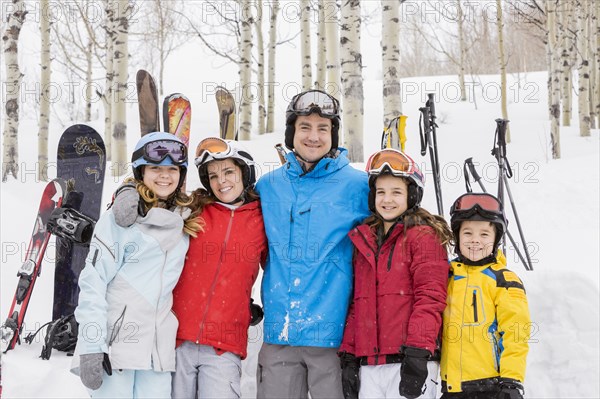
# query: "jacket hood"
160 223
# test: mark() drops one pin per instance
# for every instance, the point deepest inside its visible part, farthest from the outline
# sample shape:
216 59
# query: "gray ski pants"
201 373
293 371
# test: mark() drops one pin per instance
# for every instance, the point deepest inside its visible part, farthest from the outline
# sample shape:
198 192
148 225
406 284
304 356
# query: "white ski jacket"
126 291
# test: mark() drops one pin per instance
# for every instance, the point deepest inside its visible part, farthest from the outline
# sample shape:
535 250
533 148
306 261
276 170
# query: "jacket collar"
324 167
499 262
242 208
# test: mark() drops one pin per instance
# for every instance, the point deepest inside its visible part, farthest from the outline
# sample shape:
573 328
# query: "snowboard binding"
71 224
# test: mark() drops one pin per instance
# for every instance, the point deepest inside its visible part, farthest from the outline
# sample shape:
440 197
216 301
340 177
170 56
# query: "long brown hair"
417 216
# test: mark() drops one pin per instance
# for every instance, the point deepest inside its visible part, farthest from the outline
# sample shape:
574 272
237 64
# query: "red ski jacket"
399 293
212 297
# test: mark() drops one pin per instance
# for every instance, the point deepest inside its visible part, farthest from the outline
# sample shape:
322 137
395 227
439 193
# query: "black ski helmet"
478 207
396 163
309 102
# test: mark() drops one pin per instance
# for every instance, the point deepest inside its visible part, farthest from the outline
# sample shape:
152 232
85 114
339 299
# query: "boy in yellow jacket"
486 321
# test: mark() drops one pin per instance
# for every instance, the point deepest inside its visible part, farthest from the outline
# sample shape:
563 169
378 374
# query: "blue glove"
90 370
126 204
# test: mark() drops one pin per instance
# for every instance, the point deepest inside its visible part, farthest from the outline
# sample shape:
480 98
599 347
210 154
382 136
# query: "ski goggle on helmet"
311 101
482 204
397 163
156 151
214 148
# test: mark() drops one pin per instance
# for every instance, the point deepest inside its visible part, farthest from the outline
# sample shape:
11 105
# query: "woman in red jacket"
390 344
212 298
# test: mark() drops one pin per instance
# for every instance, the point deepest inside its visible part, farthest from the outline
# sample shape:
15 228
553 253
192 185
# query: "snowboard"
81 163
177 116
147 102
31 268
226 107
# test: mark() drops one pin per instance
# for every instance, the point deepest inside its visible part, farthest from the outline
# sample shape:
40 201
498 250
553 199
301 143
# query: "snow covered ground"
557 202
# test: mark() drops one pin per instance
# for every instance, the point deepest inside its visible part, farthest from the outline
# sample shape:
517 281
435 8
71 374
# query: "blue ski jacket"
307 280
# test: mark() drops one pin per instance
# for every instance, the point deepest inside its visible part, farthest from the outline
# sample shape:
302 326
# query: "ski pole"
477 178
514 209
428 140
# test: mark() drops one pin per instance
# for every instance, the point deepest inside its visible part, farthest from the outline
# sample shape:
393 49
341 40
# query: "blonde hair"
191 225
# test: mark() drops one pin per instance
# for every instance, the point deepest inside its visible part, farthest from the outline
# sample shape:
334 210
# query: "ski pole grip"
431 101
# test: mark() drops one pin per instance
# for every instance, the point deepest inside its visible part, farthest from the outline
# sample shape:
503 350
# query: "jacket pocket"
474 306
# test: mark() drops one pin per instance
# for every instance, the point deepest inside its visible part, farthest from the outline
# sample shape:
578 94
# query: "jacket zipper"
162 270
474 303
214 282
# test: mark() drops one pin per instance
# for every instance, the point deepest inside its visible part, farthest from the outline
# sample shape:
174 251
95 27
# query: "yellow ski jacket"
486 327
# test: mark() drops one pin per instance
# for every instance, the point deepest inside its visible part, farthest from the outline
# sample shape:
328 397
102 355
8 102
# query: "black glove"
413 371
509 389
256 313
350 378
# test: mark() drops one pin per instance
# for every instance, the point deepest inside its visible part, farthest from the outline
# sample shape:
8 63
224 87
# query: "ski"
177 116
147 102
81 164
31 268
226 107
394 135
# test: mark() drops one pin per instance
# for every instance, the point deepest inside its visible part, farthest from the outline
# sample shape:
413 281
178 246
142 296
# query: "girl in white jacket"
126 341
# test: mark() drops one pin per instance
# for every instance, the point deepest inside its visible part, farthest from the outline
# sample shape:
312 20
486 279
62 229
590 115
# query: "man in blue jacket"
309 205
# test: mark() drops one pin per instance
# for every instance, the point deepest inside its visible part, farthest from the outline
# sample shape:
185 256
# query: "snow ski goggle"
483 203
157 151
398 163
311 101
213 148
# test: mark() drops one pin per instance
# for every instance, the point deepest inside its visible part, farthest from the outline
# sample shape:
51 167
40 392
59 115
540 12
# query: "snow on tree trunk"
597 97
305 44
566 41
352 82
584 69
108 95
321 48
89 81
119 111
10 147
260 68
45 76
553 78
463 51
272 51
502 64
245 71
593 64
390 52
332 37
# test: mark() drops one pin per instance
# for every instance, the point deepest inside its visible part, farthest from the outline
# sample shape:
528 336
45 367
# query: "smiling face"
476 239
312 137
163 180
225 179
391 198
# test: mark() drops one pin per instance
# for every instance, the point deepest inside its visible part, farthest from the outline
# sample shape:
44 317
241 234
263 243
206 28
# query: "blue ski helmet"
162 149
